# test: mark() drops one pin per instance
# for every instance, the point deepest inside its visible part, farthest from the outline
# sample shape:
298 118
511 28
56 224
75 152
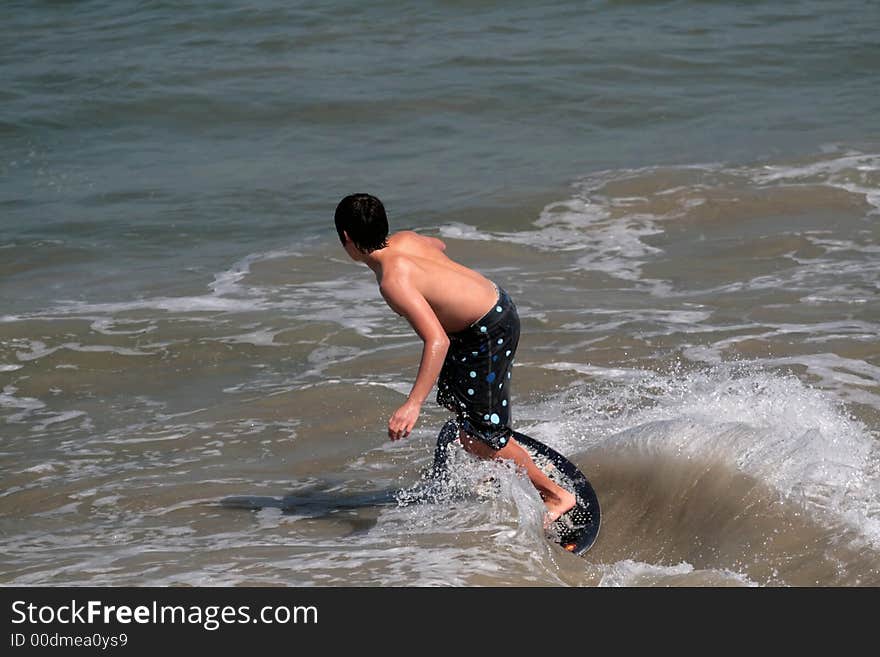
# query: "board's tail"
448 435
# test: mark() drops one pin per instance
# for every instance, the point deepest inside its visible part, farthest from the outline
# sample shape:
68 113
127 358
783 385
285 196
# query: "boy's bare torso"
458 296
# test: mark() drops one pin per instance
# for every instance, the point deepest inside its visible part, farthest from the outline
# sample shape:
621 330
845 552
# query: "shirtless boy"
470 330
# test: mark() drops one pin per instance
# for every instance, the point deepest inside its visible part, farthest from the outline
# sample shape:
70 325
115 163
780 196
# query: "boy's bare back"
415 264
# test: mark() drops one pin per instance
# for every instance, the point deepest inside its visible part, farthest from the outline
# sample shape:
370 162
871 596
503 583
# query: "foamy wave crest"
611 213
24 405
608 242
795 438
635 573
282 284
857 173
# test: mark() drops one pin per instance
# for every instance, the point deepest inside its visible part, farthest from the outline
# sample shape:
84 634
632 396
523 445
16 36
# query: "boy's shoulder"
410 238
405 248
404 236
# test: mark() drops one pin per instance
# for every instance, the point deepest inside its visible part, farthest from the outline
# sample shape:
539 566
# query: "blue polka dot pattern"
476 376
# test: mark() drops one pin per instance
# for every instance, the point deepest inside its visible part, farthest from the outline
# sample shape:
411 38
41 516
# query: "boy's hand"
404 419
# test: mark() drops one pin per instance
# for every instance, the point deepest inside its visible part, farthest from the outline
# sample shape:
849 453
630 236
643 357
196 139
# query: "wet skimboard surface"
577 530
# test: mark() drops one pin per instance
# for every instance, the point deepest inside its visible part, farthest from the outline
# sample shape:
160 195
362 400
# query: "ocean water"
683 199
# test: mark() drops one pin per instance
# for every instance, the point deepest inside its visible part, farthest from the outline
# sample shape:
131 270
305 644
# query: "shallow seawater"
689 225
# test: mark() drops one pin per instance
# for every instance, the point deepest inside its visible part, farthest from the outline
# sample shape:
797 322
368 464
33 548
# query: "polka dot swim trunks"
475 380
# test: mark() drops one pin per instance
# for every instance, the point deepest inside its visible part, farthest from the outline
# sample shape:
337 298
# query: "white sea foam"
857 173
612 373
636 573
28 405
670 321
227 283
837 245
40 350
261 338
227 294
610 231
401 387
848 379
352 303
59 418
42 468
189 304
795 438
461 231
113 326
131 440
610 245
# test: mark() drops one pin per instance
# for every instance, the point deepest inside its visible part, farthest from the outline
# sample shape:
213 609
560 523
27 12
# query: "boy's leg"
556 498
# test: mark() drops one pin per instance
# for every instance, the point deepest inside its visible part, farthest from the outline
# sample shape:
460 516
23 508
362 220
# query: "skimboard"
576 530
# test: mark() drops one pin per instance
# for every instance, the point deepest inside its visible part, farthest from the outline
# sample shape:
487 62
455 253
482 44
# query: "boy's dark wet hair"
363 217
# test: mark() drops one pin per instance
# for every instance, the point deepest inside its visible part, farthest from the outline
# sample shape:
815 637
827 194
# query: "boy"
470 330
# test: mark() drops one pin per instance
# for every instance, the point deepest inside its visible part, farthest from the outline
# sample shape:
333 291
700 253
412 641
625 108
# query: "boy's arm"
408 302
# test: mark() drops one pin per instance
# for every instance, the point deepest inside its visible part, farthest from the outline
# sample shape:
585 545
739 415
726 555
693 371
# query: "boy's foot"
558 506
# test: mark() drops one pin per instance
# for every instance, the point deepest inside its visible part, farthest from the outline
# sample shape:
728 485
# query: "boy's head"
362 218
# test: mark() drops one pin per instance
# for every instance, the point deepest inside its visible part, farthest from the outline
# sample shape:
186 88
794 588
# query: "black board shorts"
475 380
